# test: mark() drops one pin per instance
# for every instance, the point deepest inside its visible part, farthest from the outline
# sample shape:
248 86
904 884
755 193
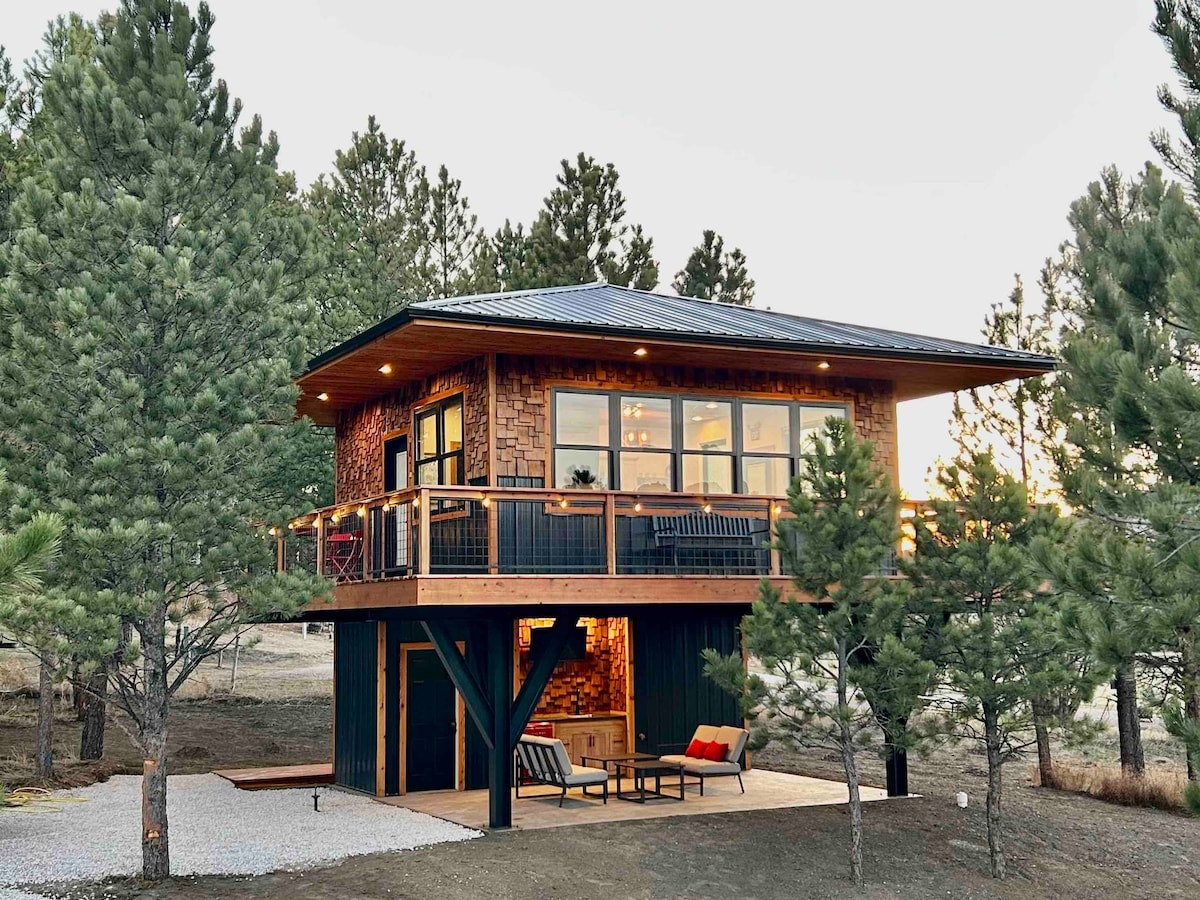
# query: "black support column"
500 693
896 763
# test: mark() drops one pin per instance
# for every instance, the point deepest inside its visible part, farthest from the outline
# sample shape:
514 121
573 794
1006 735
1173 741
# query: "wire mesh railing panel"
458 536
544 537
300 550
344 547
392 540
672 536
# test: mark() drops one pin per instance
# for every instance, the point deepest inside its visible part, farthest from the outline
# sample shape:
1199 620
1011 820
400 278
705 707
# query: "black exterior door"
431 740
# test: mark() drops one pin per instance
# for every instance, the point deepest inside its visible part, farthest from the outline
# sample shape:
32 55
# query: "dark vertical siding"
354 726
671 693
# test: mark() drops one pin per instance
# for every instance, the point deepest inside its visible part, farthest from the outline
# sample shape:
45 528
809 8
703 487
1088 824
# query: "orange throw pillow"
697 748
716 752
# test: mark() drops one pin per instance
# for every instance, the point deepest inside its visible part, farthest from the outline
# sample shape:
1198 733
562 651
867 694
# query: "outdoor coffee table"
603 759
640 770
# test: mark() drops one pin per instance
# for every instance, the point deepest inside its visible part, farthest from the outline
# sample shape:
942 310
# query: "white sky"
888 164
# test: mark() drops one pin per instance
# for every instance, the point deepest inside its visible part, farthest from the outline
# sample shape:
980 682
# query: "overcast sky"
888 164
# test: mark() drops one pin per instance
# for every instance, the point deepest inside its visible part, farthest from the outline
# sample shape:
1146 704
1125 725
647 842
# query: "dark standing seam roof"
629 312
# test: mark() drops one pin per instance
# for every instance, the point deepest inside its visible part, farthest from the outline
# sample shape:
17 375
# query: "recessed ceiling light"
640 351
822 365
386 368
697 418
712 404
322 396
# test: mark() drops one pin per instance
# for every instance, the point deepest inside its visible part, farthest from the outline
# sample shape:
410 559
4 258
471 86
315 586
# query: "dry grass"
1156 788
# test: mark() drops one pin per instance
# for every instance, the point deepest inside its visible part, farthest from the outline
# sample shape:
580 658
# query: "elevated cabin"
550 501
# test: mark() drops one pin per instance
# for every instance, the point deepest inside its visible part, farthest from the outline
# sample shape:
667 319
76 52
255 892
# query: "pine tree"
152 318
371 213
837 660
712 274
451 244
579 236
973 564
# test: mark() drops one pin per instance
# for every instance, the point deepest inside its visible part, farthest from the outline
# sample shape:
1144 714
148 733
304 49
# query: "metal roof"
607 308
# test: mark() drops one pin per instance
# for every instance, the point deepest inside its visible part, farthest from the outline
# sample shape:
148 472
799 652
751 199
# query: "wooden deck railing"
535 531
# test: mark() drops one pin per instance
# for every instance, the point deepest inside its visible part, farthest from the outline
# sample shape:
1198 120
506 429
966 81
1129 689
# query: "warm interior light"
711 404
640 351
697 418
822 365
323 397
386 369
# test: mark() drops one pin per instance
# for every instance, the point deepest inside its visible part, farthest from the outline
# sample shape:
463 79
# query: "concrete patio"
539 809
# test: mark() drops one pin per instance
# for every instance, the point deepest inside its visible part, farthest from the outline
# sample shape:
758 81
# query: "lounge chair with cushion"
712 764
545 761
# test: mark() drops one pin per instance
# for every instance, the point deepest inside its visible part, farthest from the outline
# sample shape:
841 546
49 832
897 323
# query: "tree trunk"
991 737
1041 731
1129 725
851 768
1191 702
78 691
44 757
95 715
155 855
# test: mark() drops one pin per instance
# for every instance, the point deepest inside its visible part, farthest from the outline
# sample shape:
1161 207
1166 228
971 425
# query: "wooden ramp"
278 777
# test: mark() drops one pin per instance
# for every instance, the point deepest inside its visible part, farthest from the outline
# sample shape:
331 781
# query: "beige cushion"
709 767
735 738
533 759
676 758
706 733
581 775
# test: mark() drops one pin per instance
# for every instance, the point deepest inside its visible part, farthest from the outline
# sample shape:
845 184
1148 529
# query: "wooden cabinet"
591 737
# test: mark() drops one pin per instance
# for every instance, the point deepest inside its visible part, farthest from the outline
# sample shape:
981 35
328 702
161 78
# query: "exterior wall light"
323 397
386 369
822 365
640 351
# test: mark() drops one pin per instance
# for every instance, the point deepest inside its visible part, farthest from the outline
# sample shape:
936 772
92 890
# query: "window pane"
646 422
812 421
645 471
427 435
581 419
453 418
766 475
704 474
452 472
427 473
707 425
766 428
581 469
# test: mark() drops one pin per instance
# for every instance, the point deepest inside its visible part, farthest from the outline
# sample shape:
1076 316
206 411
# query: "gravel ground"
214 828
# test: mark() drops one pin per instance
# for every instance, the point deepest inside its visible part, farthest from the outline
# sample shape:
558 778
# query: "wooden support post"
500 754
366 544
381 675
423 532
473 696
610 533
773 524
493 537
539 674
280 555
320 523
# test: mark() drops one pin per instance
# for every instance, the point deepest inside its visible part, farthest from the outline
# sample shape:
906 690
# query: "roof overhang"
415 344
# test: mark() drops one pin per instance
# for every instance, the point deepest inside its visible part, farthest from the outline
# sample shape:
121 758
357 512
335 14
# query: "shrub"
1156 788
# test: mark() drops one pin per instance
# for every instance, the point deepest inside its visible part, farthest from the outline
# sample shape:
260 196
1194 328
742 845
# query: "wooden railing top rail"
740 502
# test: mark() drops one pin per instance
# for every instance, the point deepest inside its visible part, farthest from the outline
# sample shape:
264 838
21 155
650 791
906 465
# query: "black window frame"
677 451
438 410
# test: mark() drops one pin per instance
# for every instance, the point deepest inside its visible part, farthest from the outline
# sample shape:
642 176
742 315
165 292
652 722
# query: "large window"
697 445
440 457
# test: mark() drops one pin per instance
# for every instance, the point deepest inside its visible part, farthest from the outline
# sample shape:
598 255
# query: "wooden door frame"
460 719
